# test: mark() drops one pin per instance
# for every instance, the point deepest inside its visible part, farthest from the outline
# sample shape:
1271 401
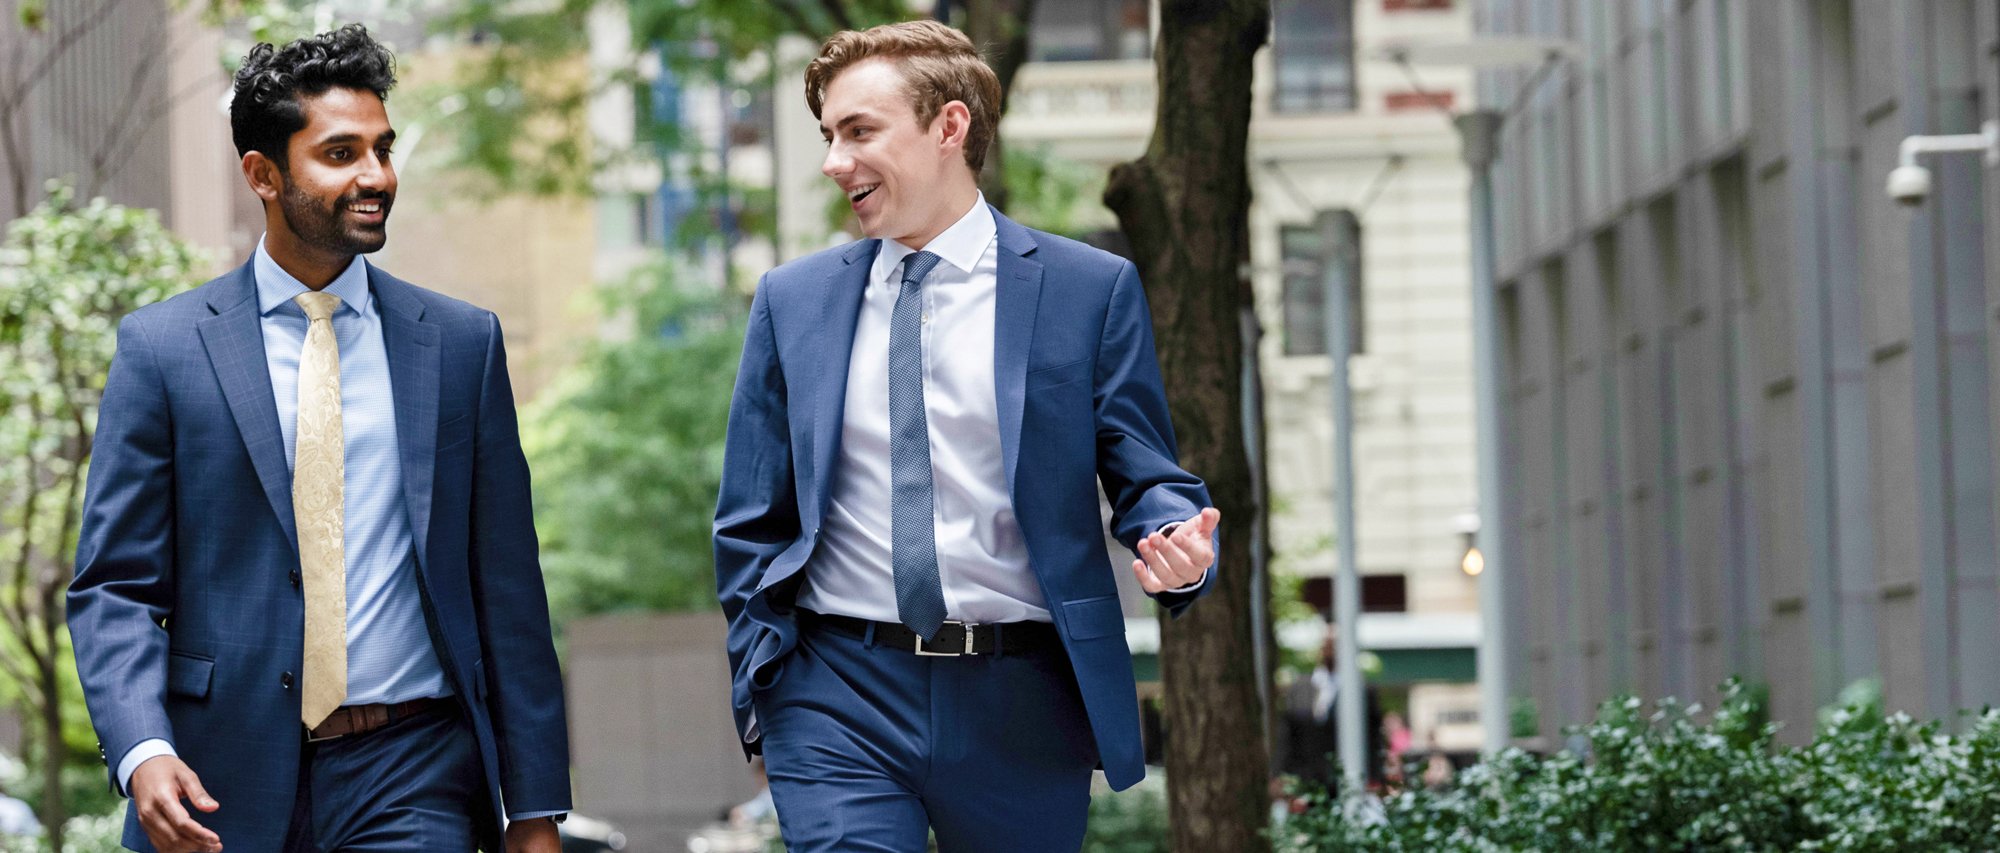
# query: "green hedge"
1659 779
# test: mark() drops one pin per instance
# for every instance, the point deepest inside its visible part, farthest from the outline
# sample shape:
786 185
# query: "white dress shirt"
982 558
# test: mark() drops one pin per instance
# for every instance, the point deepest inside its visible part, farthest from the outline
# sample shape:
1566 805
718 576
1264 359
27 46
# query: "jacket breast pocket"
1059 374
189 675
1094 617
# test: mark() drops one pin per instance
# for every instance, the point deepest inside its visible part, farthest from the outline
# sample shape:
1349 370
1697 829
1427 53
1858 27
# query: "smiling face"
904 181
331 199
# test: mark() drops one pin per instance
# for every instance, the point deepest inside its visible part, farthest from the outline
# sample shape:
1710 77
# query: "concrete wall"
1750 416
651 737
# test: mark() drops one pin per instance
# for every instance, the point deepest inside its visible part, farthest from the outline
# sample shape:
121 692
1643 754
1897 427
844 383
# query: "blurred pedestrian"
1308 742
307 602
924 630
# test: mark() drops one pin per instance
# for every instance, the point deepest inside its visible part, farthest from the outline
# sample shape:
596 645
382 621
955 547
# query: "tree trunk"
1000 29
54 812
1185 207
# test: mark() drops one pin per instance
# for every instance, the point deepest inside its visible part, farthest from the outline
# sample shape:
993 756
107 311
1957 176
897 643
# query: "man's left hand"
534 835
1175 560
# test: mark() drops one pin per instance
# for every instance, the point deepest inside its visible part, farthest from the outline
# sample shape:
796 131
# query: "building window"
1416 5
1305 254
1312 47
1305 291
1085 30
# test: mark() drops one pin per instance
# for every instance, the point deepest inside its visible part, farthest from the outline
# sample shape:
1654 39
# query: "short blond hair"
939 65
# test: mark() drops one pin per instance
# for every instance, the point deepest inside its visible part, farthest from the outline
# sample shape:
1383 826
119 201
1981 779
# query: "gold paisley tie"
319 472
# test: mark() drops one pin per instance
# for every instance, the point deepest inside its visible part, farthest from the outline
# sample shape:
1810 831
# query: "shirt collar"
277 288
961 245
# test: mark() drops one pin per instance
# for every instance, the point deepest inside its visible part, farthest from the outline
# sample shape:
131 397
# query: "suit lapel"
1018 280
234 339
838 312
411 345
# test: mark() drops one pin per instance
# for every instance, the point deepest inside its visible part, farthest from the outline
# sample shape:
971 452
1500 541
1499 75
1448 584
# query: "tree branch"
122 123
107 163
63 42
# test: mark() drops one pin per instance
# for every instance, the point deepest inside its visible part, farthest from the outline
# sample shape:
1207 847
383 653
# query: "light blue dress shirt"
389 653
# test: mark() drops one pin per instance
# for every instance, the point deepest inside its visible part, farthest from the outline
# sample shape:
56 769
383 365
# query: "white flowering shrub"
1660 780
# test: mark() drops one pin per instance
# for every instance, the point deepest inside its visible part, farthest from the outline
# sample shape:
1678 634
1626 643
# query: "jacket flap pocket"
188 675
1059 374
1094 617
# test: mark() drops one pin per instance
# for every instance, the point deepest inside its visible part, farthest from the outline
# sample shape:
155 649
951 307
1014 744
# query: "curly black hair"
265 110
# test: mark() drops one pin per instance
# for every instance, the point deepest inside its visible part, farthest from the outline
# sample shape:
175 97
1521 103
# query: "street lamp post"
1339 244
1479 133
1479 136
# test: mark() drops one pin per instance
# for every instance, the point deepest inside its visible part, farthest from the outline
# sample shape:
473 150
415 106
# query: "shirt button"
286 680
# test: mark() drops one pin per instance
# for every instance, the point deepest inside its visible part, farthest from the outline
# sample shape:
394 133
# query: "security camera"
1910 185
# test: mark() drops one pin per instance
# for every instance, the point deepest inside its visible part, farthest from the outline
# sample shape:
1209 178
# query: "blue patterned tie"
912 536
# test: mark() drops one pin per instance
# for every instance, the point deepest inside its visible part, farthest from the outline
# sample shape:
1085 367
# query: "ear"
953 124
263 175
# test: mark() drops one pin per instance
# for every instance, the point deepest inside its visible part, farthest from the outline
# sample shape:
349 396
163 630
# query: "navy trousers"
414 784
866 747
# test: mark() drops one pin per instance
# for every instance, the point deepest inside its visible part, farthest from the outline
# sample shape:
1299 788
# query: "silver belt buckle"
921 651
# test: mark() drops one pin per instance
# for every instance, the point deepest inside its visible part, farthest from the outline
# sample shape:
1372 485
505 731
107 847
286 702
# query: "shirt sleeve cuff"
533 815
1197 584
137 755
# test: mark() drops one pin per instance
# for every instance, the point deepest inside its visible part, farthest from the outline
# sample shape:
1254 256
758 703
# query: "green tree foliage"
626 447
68 273
517 107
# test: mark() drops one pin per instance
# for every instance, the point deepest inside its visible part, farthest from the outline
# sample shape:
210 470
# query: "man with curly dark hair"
308 613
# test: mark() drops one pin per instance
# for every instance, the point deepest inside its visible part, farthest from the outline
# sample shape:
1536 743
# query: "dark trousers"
865 747
414 784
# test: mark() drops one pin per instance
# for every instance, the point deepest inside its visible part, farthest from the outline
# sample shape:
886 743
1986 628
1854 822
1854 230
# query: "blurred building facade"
1750 418
1334 130
134 107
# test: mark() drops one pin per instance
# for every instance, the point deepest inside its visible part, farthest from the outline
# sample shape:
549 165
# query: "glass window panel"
1091 30
1305 293
1312 46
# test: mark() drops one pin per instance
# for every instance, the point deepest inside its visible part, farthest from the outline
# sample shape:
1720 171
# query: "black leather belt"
954 639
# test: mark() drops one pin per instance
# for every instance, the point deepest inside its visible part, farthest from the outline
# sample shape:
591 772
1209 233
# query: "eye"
859 132
338 154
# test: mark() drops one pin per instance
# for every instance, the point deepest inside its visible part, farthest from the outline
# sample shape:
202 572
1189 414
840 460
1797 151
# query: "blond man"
924 629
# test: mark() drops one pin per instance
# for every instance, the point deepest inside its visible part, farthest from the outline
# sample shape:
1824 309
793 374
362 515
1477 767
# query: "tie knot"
918 265
319 305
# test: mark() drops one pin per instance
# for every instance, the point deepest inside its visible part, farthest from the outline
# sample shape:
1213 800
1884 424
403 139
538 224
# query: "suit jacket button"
295 578
286 680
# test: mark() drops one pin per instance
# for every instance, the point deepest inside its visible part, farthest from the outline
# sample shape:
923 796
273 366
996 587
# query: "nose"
376 174
837 162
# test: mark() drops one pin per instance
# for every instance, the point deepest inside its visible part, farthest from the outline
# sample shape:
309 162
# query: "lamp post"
1340 245
1479 137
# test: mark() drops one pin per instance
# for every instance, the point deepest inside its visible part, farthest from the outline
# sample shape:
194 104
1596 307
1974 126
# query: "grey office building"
1750 418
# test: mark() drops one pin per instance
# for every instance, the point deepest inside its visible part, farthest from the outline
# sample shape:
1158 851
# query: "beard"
323 227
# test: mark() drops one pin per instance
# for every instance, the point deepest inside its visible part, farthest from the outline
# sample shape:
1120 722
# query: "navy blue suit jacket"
186 621
1080 403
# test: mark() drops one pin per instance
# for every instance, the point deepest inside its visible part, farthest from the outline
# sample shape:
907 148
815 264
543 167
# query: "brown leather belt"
361 719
